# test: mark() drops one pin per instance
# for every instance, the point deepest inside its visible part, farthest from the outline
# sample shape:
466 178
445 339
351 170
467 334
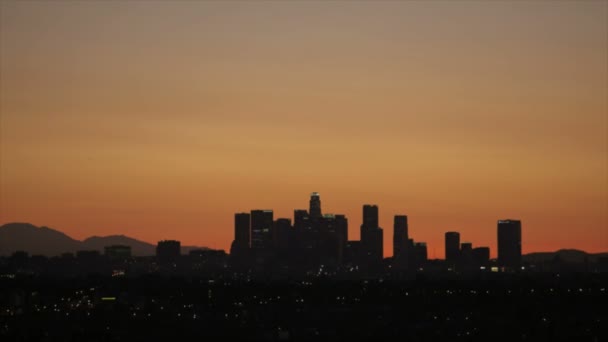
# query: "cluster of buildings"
321 240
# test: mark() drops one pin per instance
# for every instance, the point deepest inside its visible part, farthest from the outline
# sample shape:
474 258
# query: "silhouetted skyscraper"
168 250
300 218
466 254
371 235
261 229
509 243
481 255
400 236
370 216
452 247
242 229
342 228
421 253
281 231
315 206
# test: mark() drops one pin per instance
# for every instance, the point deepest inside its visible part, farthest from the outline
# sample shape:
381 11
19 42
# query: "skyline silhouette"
304 170
180 114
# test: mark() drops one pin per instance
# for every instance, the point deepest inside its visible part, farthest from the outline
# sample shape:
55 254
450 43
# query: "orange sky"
161 120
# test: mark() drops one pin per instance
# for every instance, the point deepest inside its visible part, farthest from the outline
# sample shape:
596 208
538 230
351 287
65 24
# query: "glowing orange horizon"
162 120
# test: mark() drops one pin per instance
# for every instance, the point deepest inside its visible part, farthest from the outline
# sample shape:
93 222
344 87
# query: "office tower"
509 243
452 247
261 229
315 206
281 231
400 236
168 250
466 253
342 228
481 255
242 230
330 246
117 252
301 219
421 253
303 229
370 215
371 235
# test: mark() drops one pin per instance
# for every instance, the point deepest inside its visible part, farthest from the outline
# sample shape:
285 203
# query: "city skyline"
161 120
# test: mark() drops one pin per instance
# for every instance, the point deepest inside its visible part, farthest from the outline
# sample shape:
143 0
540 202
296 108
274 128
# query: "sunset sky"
160 120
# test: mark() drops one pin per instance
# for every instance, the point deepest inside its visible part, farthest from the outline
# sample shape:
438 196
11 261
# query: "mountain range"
50 242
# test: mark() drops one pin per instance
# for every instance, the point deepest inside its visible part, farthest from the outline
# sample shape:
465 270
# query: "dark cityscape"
303 170
307 280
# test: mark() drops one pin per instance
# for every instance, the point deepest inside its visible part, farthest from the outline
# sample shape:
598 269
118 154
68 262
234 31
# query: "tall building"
242 230
168 250
421 253
371 235
400 236
240 248
261 229
370 215
281 231
315 206
509 243
452 247
342 229
481 255
303 228
466 253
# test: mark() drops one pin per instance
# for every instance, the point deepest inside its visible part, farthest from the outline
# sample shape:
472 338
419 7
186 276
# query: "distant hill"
565 255
51 242
36 240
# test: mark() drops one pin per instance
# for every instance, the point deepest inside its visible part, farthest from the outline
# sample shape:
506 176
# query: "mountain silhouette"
50 242
35 240
565 255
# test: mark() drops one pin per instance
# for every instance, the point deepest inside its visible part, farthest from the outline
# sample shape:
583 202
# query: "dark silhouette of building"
400 242
342 229
481 256
168 250
303 228
239 250
242 229
370 215
452 247
466 255
509 243
400 235
117 252
281 232
315 206
261 229
371 236
330 244
421 253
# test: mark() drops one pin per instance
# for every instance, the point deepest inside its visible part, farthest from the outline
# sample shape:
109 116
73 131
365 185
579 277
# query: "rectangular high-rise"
370 216
509 243
371 234
242 229
452 247
400 236
261 229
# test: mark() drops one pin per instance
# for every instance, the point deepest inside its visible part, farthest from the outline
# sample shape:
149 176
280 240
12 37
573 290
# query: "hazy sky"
162 119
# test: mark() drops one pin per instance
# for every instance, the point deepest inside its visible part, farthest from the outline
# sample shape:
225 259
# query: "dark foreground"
153 308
